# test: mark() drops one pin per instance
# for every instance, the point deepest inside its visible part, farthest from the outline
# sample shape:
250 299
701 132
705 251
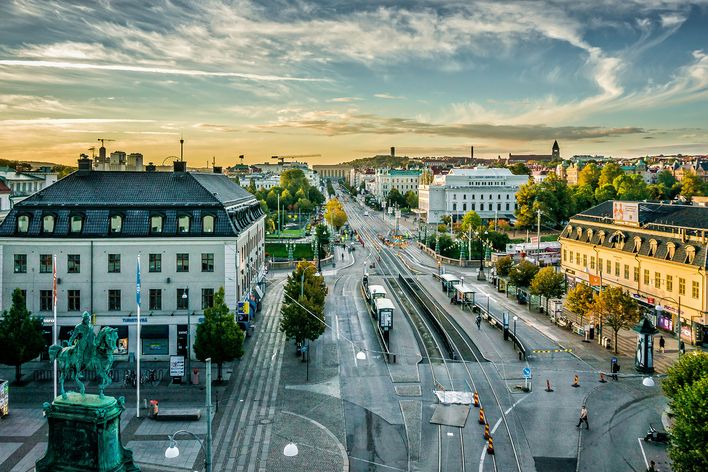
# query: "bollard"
548 386
481 416
486 431
602 378
576 381
476 400
490 446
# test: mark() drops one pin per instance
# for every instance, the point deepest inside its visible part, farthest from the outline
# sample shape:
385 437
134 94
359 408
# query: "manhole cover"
265 421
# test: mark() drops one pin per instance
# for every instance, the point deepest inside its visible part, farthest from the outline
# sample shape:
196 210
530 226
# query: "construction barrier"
476 400
490 446
548 386
602 378
541 351
486 431
481 416
576 381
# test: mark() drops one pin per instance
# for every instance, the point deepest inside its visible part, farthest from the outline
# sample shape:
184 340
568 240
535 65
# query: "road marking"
494 429
643 455
377 463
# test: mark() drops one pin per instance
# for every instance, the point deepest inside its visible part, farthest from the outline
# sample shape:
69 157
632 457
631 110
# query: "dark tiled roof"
653 215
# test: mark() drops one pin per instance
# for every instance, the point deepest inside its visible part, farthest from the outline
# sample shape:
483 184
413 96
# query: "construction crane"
104 139
281 159
93 151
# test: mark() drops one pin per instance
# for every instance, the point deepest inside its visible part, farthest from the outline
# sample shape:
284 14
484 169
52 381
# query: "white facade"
489 192
386 180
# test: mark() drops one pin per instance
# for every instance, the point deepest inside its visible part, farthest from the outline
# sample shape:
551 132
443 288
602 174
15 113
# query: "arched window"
48 224
183 224
76 223
601 237
690 255
589 233
637 244
653 245
208 224
670 251
578 232
156 224
23 222
116 223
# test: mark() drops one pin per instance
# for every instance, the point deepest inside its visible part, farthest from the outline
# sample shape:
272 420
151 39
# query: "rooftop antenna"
213 161
241 157
93 151
181 148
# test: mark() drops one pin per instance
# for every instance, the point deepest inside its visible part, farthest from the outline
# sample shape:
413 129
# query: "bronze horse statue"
85 353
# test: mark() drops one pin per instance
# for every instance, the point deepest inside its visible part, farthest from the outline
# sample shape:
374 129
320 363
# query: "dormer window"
601 237
156 224
23 222
690 255
116 223
569 229
637 244
76 223
208 224
670 251
183 224
578 232
617 240
653 245
589 233
48 224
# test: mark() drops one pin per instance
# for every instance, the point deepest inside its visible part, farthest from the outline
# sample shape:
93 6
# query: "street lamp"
189 336
480 275
173 451
660 308
515 318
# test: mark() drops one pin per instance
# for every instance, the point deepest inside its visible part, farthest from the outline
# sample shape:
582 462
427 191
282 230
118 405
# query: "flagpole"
54 309
137 372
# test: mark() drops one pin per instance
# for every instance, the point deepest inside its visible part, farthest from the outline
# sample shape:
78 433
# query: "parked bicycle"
151 376
130 380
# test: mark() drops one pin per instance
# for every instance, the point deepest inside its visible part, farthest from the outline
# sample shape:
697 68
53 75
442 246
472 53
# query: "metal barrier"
497 323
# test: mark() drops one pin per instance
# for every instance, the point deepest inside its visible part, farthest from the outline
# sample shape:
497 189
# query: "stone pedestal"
84 436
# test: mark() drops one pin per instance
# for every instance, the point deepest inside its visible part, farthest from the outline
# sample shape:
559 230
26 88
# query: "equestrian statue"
85 351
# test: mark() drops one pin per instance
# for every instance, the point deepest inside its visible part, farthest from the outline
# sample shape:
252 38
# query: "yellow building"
333 171
655 252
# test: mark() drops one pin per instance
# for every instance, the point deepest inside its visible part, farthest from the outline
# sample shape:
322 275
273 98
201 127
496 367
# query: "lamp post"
480 275
515 318
173 451
660 308
189 337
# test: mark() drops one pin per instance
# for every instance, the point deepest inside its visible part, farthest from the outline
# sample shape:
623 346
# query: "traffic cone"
576 381
476 400
486 431
548 386
490 446
602 378
481 416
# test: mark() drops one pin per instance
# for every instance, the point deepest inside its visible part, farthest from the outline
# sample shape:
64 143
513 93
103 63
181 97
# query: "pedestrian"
478 321
583 418
652 467
615 370
662 343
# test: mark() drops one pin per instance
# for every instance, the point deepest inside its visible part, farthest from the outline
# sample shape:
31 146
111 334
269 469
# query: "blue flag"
137 284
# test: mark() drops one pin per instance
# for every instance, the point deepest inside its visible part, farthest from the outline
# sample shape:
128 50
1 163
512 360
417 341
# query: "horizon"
349 80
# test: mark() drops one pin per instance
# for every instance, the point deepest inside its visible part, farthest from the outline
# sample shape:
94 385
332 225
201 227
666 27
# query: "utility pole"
538 237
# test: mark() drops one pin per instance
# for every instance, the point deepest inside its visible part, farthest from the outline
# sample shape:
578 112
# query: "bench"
178 414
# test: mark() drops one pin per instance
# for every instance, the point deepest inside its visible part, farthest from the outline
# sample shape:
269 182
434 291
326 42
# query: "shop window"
20 264
23 222
155 340
48 224
76 223
45 263
73 263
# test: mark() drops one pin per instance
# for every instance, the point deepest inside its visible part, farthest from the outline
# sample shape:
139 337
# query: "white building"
489 192
386 180
24 184
194 232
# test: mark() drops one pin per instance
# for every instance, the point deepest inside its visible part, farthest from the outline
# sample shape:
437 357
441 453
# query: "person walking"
478 321
652 467
583 418
615 370
662 344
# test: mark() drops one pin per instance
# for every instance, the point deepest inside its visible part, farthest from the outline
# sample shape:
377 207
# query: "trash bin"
195 376
153 408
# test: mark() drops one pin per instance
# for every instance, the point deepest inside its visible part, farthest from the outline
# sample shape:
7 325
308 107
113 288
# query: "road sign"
614 360
526 372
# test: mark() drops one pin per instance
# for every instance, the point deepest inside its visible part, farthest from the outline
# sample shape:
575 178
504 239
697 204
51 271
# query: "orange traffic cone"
476 400
576 381
490 446
486 431
602 377
548 386
481 416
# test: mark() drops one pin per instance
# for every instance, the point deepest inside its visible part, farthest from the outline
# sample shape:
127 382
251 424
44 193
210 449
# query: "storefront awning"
259 292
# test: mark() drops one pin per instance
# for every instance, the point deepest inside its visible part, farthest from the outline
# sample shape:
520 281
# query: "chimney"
150 167
393 151
471 153
180 166
181 149
85 164
217 170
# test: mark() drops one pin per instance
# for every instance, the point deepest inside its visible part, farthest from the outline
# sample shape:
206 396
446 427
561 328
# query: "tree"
688 447
631 187
522 273
604 193
666 178
218 337
447 245
589 175
20 335
303 306
519 168
503 266
583 197
609 173
315 196
335 214
691 186
525 198
294 179
689 369
617 310
580 299
548 283
272 200
395 197
322 235
471 221
552 197
411 199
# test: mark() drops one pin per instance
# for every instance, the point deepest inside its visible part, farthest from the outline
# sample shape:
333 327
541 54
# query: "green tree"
583 197
525 199
604 193
322 235
552 197
395 197
631 187
580 299
519 168
315 196
617 310
665 178
688 447
411 199
522 273
218 337
447 246
504 265
691 186
609 173
689 369
590 176
303 307
471 221
20 335
252 187
548 283
294 178
272 200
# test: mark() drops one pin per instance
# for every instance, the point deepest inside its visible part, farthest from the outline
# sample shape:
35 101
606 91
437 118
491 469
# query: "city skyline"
350 79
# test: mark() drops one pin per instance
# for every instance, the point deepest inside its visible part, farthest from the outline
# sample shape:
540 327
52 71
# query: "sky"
344 79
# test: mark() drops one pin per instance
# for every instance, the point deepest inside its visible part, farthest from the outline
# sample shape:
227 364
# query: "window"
669 283
454 207
155 264
23 223
646 277
182 262
45 263
183 299
507 207
601 237
585 260
208 224
156 224
113 300
571 257
464 207
617 269
690 255
694 289
599 264
73 300
155 299
73 263
20 263
76 223
670 251
652 247
45 300
609 267
113 263
637 244
183 224
565 254
208 262
207 298
626 271
592 262
116 223
682 286
48 224
657 279
499 206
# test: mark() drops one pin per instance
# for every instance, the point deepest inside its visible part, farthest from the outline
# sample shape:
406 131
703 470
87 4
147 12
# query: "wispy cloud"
68 121
388 96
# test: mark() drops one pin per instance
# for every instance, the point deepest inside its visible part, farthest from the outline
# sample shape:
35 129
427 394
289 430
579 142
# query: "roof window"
116 223
23 222
183 224
208 224
156 224
670 251
48 224
690 255
76 223
653 245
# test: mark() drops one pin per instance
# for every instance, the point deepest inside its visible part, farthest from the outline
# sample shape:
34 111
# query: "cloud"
35 122
387 96
344 99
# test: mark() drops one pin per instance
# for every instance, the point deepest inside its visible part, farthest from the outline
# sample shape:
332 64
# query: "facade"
194 233
357 176
118 161
404 181
334 171
489 192
655 252
25 183
553 156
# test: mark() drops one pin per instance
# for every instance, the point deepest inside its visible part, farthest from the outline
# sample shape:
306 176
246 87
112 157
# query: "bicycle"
151 376
129 379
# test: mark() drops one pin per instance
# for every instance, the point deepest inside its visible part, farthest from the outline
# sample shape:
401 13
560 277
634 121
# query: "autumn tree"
503 266
589 175
548 283
609 173
20 335
691 186
522 273
335 214
580 299
617 310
